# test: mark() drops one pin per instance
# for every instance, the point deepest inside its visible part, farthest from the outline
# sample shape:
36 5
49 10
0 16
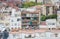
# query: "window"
56 35
23 14
53 10
51 23
59 7
18 19
12 21
15 24
47 10
49 28
35 18
28 15
28 18
10 12
12 24
15 15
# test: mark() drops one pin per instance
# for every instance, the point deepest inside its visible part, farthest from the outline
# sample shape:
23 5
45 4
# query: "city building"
15 19
10 18
51 24
58 18
25 23
4 18
30 18
48 9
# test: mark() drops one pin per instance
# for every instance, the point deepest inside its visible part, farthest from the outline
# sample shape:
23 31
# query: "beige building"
48 9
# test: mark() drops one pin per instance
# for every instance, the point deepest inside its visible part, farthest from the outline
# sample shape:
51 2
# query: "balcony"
30 15
30 27
25 24
30 23
25 20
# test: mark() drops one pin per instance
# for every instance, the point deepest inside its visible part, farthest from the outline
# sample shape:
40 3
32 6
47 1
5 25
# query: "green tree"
54 16
29 4
43 18
39 3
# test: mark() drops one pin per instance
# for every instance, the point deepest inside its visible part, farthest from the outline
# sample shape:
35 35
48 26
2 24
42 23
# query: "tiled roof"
35 12
37 7
12 4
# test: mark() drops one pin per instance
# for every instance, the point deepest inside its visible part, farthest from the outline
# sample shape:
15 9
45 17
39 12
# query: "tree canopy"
43 17
29 4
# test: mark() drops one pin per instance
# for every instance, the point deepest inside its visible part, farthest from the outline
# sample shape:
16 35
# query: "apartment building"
10 18
4 18
30 18
3 22
49 24
58 4
48 9
15 19
58 13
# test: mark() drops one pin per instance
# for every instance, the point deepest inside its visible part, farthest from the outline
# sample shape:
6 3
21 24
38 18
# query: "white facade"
51 23
58 18
11 18
15 19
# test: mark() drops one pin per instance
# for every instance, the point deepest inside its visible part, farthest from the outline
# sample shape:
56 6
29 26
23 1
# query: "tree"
39 3
29 4
54 16
43 18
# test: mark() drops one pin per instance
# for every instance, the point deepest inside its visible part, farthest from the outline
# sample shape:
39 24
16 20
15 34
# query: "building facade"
30 19
48 9
15 19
